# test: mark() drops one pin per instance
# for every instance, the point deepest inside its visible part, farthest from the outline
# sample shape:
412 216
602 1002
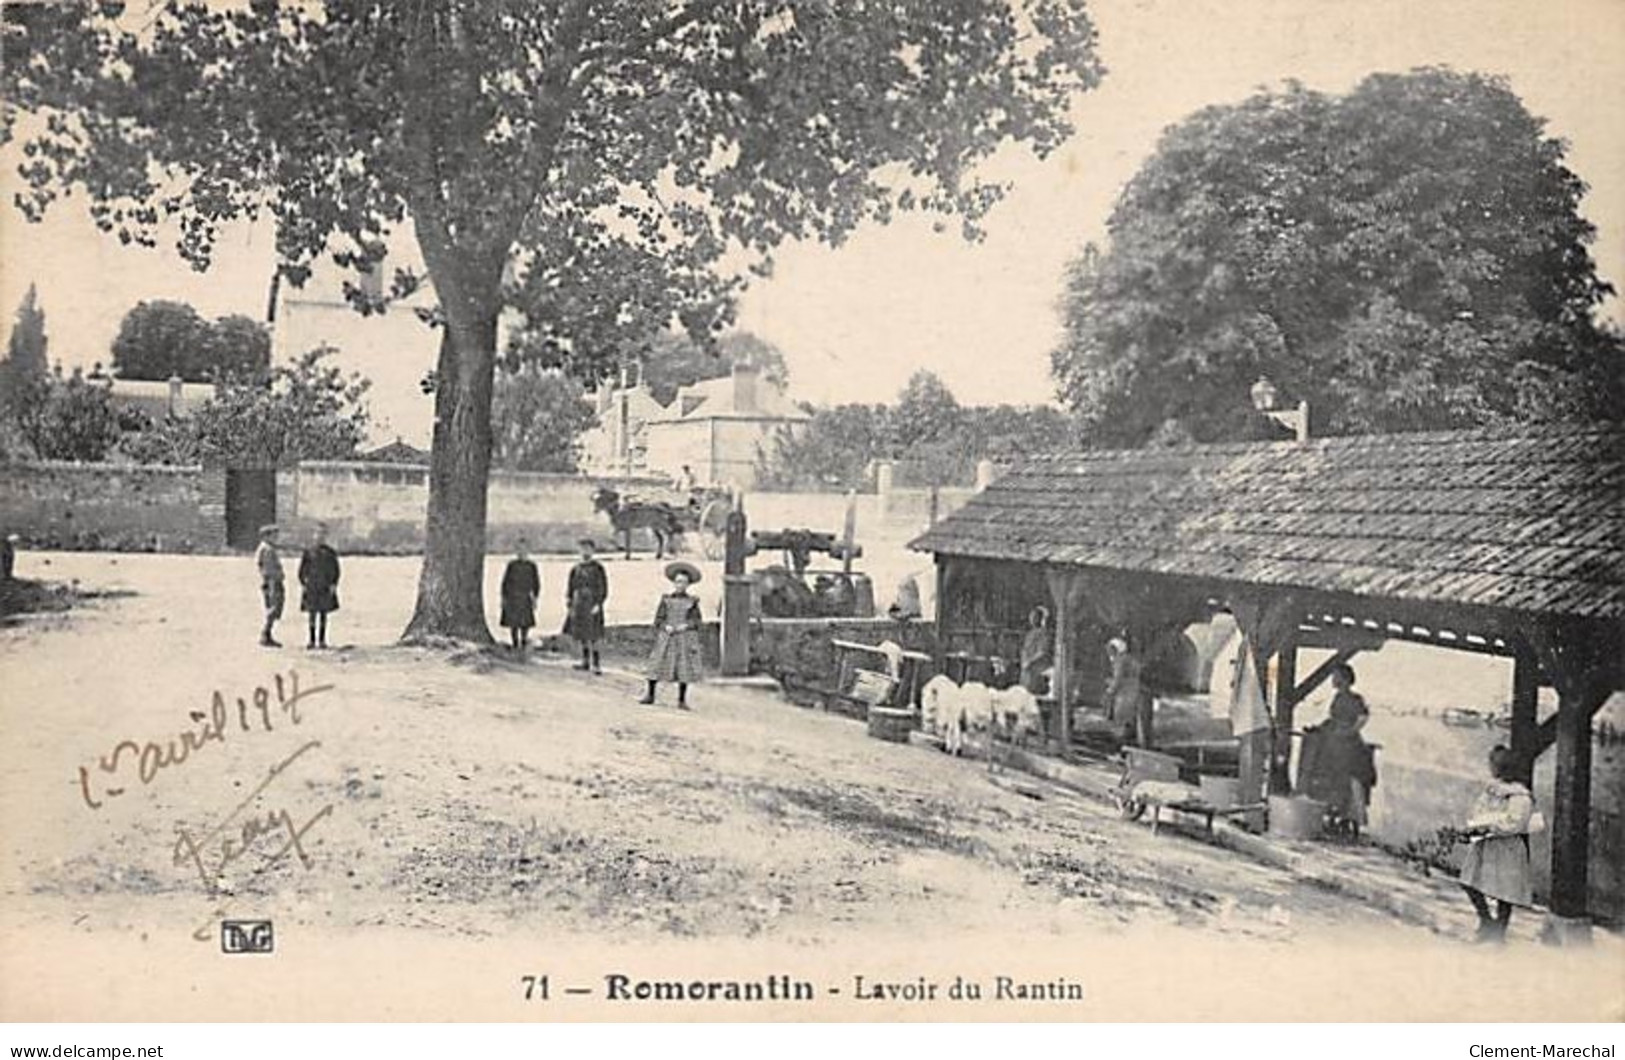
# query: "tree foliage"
592 163
307 410
832 451
73 419
933 440
538 417
238 346
926 412
25 372
671 361
160 339
1410 255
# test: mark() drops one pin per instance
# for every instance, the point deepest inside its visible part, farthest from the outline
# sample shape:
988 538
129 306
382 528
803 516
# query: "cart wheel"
713 528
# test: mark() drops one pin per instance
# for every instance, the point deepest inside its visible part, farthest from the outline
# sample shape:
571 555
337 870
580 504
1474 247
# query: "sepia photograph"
999 511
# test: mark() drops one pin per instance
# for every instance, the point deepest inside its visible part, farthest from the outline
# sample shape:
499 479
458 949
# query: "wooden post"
1267 622
939 608
1061 686
735 596
1585 665
1571 817
849 532
1066 589
1286 701
1525 696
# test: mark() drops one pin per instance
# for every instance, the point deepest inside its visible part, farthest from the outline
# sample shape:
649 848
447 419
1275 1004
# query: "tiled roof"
1528 520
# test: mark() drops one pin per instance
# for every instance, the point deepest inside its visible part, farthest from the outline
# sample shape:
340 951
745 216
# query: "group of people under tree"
677 655
585 593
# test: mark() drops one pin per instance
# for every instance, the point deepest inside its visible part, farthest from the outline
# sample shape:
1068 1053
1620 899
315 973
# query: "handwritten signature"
237 835
153 757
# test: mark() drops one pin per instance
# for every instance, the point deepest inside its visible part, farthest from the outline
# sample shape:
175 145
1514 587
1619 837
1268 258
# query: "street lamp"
1264 395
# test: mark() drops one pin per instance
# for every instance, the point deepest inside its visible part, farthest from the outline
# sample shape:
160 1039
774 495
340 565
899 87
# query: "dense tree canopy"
592 163
926 411
70 419
26 368
238 346
1410 255
160 339
671 361
538 417
306 410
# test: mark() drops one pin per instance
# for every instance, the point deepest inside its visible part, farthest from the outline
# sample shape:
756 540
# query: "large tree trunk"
451 598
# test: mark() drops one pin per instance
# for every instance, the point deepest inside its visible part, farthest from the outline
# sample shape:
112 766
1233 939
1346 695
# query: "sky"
855 321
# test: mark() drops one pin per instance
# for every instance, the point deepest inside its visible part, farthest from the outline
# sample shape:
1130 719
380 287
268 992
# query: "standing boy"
272 592
585 594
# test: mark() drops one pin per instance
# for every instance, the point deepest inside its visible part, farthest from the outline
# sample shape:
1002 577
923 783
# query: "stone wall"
796 651
114 507
630 645
381 508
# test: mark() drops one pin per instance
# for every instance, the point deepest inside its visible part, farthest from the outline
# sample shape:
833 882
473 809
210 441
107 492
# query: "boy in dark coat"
584 598
319 580
521 585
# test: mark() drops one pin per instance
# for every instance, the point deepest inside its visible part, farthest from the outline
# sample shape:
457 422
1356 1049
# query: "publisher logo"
246 936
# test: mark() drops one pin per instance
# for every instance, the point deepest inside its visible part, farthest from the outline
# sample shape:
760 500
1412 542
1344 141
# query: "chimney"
746 380
175 395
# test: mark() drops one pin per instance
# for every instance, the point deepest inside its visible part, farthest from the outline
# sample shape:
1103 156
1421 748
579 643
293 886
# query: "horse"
625 517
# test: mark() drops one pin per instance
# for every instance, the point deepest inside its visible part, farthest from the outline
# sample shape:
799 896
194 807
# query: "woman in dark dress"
521 585
319 582
1037 651
676 655
584 598
1338 766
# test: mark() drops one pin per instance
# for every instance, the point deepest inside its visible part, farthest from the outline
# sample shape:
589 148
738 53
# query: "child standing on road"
272 591
676 655
521 585
585 594
319 580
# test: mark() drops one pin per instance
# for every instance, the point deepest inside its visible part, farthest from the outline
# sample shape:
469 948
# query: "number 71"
535 987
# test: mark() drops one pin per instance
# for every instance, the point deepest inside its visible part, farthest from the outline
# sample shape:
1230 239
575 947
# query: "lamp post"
1264 396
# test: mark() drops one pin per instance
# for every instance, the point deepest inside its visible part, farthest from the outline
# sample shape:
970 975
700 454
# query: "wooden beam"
1336 638
1318 676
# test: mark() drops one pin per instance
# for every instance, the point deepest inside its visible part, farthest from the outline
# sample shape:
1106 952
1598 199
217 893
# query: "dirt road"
476 797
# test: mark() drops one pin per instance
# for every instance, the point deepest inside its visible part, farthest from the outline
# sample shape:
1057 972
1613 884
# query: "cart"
1151 781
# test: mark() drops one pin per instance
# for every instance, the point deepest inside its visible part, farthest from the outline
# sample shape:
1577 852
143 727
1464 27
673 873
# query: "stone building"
717 427
394 348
